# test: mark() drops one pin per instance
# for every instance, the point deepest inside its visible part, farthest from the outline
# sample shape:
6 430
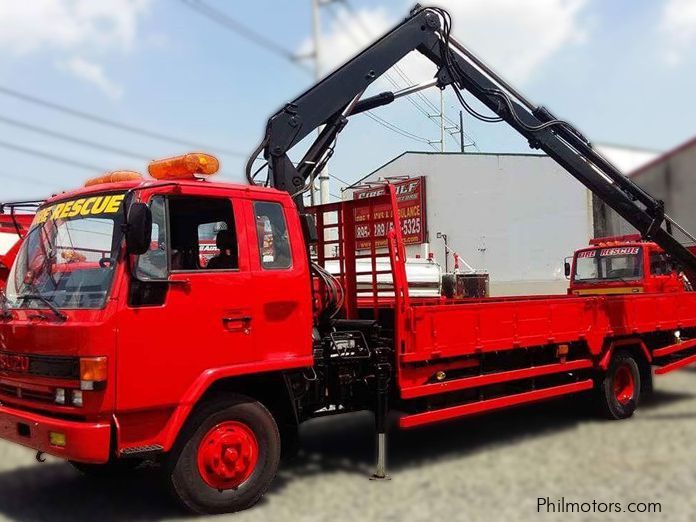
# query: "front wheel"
226 458
619 389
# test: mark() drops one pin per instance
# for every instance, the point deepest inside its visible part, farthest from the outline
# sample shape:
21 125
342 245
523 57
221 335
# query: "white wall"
516 216
671 179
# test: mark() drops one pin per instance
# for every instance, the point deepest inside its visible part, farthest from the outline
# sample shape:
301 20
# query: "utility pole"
440 116
316 33
461 131
442 120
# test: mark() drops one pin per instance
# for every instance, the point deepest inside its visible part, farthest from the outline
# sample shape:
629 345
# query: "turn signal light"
92 371
114 177
186 166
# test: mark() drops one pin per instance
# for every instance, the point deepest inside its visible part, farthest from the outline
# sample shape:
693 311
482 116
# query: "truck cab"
623 265
104 351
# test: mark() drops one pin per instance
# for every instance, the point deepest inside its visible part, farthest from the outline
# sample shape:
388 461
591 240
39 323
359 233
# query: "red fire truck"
119 344
624 265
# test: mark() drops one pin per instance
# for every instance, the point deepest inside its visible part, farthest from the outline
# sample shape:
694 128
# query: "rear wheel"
227 457
619 389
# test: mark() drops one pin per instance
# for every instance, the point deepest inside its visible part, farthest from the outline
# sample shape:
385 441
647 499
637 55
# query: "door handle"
237 324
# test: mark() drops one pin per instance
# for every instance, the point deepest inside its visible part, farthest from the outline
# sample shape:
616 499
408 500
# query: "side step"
464 383
673 348
428 417
675 365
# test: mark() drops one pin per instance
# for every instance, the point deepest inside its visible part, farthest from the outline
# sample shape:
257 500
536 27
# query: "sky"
624 72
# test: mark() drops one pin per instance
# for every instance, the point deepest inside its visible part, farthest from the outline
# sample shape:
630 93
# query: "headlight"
60 396
77 398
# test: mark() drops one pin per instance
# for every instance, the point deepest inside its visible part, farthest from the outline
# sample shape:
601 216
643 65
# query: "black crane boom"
333 100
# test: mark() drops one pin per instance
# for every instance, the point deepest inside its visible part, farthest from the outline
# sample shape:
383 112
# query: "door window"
202 234
272 236
189 233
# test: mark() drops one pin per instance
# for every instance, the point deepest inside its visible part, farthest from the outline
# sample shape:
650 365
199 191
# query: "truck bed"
456 357
450 329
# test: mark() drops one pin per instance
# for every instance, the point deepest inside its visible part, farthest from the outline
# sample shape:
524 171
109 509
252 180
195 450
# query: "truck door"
189 305
283 311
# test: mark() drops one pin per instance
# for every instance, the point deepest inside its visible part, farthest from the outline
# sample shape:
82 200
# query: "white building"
517 216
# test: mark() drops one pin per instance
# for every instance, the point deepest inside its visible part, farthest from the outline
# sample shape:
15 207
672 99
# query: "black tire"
181 466
112 470
614 400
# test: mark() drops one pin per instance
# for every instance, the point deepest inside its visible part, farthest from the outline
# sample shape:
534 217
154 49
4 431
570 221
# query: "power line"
49 156
73 139
399 71
394 128
112 123
350 8
23 177
240 29
226 21
389 125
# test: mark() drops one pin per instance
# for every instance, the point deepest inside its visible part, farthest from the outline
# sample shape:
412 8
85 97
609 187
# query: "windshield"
609 264
68 257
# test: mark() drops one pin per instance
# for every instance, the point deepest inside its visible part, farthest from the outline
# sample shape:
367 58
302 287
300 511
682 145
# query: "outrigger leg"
383 378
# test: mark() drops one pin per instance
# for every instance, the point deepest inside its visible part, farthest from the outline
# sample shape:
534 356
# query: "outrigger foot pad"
381 471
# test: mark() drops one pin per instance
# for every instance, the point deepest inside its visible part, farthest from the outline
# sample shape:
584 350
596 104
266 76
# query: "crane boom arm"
331 101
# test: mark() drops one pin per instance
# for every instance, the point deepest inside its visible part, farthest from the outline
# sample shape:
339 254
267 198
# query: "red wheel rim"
624 384
227 455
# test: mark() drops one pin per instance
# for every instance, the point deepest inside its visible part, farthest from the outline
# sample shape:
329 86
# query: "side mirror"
566 266
309 228
138 229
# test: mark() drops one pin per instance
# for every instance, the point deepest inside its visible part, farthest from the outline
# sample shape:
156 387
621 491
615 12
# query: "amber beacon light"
114 177
188 166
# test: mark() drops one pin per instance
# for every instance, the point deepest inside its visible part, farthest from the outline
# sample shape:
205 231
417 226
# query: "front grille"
57 367
23 393
49 366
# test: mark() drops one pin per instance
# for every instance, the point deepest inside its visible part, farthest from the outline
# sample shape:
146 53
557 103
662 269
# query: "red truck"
12 230
624 265
119 344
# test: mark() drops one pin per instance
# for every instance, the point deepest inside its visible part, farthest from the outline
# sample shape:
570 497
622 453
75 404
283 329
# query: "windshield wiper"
40 297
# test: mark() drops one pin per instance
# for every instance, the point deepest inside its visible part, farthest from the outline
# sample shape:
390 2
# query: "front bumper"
84 442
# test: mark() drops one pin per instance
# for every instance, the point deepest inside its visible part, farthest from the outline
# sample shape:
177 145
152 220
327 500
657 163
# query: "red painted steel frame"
676 365
418 419
494 378
380 237
674 348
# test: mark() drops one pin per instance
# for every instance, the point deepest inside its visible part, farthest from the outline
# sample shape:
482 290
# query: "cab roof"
151 183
